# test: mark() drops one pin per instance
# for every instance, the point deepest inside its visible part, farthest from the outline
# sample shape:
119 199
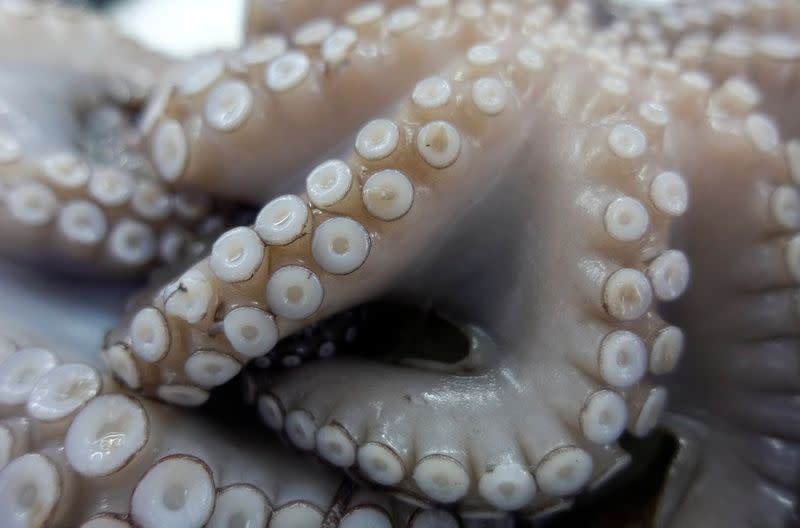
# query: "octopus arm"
247 115
75 186
737 387
551 400
76 449
751 48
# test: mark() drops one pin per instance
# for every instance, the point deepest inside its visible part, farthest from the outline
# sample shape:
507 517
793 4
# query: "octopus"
404 264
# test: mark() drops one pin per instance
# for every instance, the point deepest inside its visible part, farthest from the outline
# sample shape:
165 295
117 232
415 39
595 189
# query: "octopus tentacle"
432 163
75 450
770 61
144 465
666 26
558 322
263 261
761 48
74 184
247 115
745 288
70 193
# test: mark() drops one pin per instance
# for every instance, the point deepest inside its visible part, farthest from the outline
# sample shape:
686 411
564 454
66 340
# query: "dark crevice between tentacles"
385 332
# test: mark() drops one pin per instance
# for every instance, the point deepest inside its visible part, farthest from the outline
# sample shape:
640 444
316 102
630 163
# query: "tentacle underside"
76 450
739 379
247 114
521 181
447 158
75 187
738 42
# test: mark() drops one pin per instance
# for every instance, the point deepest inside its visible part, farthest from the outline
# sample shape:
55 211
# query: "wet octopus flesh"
453 255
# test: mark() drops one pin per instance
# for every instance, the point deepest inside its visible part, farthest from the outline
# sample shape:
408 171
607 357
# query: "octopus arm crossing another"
75 186
751 47
246 114
524 191
735 395
564 251
76 450
735 409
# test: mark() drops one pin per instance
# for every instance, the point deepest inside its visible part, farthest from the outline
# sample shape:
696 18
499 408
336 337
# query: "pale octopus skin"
78 450
74 177
572 175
